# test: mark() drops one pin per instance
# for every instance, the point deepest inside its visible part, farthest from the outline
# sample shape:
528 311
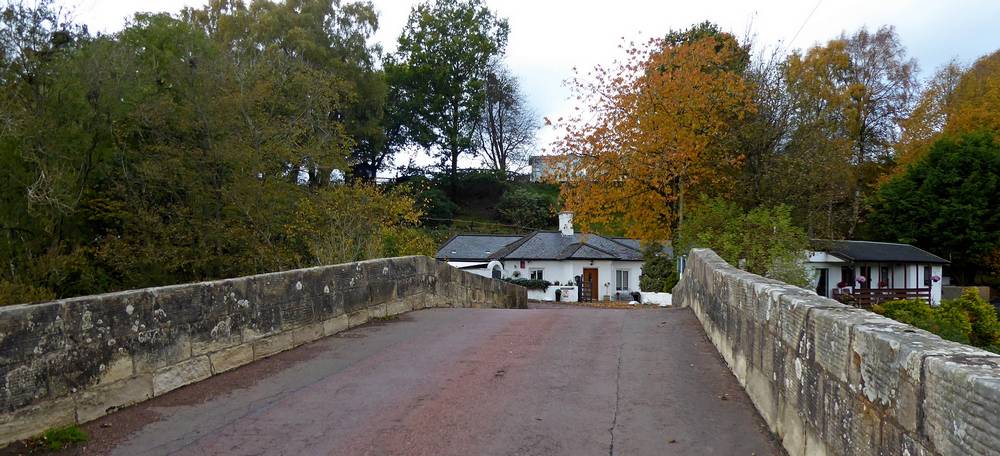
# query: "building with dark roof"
585 266
867 267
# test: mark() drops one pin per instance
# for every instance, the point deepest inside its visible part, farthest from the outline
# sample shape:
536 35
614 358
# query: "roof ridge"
868 242
507 249
615 240
602 250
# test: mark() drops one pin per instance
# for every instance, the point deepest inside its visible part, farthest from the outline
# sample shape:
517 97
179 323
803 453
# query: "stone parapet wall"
74 360
832 379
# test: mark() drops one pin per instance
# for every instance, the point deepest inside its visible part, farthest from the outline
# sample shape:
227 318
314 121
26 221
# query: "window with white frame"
621 280
536 274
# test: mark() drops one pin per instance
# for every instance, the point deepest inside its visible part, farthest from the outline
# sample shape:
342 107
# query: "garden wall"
832 379
74 360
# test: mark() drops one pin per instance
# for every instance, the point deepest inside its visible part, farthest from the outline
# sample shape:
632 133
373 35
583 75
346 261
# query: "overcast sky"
550 37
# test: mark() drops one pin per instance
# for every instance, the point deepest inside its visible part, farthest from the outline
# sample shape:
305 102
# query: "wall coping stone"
833 379
74 360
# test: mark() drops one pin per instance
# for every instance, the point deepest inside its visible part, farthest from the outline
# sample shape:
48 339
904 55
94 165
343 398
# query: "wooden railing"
868 297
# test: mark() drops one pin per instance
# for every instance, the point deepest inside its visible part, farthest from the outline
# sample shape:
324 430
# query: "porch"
868 297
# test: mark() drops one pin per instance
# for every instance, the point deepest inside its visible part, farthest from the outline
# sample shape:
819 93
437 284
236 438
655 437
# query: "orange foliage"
955 101
653 133
976 100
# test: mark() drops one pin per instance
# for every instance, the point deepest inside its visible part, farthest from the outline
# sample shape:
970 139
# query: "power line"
804 23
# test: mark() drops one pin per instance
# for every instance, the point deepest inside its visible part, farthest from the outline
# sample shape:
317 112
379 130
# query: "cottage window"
927 276
536 274
621 280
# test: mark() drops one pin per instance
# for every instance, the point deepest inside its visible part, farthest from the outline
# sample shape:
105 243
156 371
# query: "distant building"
581 266
546 167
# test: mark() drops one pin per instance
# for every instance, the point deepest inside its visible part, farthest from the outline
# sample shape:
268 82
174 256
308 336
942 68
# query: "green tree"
946 202
185 147
440 69
763 239
849 97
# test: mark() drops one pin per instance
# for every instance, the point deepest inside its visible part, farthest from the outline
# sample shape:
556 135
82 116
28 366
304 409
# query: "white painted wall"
564 272
660 299
900 276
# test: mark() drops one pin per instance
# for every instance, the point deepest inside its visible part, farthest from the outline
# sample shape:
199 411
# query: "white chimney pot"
566 223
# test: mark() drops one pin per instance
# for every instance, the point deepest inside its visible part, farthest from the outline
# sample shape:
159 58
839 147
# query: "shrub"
531 284
982 316
659 273
968 319
526 208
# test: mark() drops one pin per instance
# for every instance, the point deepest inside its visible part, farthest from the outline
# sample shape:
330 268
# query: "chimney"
566 223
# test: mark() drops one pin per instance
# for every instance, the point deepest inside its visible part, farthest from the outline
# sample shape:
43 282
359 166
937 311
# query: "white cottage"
581 266
870 272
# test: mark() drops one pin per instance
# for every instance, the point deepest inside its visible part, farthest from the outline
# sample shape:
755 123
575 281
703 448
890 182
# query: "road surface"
555 381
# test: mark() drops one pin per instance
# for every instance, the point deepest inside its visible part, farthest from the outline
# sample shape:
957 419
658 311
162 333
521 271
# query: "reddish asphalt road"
558 381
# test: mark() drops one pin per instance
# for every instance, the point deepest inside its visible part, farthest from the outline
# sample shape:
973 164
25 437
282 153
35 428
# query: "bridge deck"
559 381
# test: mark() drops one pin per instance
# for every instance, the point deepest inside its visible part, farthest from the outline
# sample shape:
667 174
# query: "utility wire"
789 46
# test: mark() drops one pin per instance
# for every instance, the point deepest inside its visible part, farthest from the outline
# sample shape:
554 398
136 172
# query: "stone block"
358 318
378 311
399 306
221 335
330 304
356 298
382 291
335 325
93 403
28 330
231 358
23 384
307 333
175 376
962 405
33 420
159 348
297 311
119 368
270 345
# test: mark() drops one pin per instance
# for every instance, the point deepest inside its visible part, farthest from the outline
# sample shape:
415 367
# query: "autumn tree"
440 68
975 103
507 126
929 116
857 89
660 117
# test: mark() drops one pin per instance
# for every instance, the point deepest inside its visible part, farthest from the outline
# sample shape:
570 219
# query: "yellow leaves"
975 104
955 101
659 114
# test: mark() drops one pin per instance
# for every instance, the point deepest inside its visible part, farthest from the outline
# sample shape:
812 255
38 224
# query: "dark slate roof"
633 243
553 245
540 245
868 251
474 247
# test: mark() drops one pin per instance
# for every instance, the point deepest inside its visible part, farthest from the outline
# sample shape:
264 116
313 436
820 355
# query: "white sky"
550 37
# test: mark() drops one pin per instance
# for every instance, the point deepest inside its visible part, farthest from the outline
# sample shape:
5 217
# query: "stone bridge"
410 356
